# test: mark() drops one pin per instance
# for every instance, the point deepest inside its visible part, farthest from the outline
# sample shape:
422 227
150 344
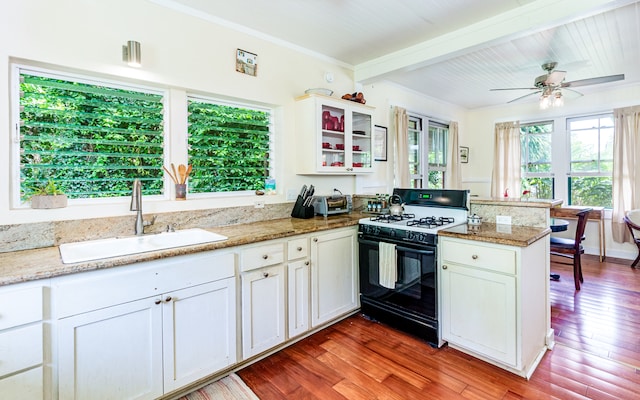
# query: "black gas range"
398 259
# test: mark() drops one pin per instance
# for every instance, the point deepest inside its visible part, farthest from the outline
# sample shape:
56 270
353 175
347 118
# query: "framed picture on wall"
380 143
464 154
246 62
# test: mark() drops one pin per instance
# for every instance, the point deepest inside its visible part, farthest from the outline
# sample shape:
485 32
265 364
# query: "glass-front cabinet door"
334 136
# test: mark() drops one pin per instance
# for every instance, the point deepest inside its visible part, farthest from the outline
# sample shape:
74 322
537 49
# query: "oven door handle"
425 252
398 246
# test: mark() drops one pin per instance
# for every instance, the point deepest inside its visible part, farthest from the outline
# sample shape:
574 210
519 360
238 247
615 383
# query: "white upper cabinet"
334 136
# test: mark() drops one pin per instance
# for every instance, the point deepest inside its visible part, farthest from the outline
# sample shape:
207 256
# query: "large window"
229 146
583 153
537 176
591 160
92 139
428 141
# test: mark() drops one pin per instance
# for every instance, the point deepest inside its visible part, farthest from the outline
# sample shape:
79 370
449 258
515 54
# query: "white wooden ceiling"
453 50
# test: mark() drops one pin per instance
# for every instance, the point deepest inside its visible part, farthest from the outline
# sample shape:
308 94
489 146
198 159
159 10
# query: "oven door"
415 288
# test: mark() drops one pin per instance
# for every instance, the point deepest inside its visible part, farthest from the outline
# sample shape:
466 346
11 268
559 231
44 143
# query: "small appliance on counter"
331 205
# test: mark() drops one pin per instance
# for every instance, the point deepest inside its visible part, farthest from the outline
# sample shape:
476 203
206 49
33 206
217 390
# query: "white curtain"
453 177
506 160
402 148
626 175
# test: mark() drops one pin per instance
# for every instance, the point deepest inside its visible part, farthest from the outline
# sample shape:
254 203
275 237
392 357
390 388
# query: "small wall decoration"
246 62
380 143
464 154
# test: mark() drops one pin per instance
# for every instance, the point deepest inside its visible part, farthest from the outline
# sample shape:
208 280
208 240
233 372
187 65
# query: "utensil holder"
302 211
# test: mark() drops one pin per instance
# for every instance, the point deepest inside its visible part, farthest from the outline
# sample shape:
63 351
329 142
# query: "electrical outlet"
503 219
292 195
259 204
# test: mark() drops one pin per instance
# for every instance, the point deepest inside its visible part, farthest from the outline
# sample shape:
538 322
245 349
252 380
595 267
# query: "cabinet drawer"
261 256
297 248
27 385
20 348
19 307
488 257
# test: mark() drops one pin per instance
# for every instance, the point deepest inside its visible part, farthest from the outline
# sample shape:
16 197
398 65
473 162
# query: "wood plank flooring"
597 353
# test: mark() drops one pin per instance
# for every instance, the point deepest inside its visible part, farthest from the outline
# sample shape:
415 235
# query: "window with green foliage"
591 160
535 150
90 138
583 154
427 152
229 146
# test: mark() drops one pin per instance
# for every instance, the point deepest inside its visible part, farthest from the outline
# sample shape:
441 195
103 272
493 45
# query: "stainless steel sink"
122 246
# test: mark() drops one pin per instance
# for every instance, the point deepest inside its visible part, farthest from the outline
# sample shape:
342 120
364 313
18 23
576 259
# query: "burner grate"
431 222
388 218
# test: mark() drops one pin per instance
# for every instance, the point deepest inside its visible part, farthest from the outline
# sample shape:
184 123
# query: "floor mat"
228 388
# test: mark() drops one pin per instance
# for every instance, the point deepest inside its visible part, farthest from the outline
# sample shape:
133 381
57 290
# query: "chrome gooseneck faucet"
136 205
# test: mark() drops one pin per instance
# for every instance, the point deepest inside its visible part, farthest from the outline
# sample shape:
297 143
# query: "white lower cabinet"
334 275
298 286
494 301
24 341
263 297
182 327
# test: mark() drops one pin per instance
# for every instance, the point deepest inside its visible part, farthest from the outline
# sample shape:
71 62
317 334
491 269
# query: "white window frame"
423 144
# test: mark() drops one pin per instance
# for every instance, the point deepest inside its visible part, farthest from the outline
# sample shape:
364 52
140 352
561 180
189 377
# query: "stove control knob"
392 232
411 235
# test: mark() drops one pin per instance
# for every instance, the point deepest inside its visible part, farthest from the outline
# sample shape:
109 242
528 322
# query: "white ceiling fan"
550 84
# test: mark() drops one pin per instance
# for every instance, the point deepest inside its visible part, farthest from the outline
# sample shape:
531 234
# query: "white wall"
386 96
178 51
480 136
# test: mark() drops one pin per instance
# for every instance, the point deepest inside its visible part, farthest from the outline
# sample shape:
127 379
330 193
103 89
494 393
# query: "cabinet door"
199 332
263 309
479 311
27 385
112 353
334 286
298 297
334 136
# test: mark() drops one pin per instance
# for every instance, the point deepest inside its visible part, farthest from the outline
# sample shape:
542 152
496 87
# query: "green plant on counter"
49 189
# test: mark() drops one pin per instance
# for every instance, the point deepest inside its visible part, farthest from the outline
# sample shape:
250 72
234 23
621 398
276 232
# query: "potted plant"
48 196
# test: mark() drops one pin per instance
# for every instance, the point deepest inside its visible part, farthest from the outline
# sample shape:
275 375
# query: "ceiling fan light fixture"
558 100
545 101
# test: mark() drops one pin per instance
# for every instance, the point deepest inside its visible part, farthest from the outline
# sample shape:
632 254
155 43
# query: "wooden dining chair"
632 219
572 248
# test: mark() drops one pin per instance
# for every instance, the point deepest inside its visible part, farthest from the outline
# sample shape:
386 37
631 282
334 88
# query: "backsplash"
46 234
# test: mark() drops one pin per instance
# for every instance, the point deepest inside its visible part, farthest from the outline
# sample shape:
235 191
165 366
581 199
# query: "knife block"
301 211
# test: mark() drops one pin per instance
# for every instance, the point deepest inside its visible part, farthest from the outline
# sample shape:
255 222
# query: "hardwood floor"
597 353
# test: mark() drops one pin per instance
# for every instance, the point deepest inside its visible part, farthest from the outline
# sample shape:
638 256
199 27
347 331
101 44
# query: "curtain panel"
506 160
453 179
401 133
626 175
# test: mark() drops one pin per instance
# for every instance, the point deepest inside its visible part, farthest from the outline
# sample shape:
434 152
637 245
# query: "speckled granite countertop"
516 202
29 265
511 235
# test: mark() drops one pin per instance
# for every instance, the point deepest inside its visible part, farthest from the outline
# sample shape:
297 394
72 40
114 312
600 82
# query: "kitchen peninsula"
495 286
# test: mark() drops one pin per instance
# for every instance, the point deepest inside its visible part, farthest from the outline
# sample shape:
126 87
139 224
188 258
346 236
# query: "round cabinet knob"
168 299
315 239
444 267
299 249
158 301
265 274
475 256
306 263
265 257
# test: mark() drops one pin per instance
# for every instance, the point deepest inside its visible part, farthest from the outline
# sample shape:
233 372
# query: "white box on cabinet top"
334 136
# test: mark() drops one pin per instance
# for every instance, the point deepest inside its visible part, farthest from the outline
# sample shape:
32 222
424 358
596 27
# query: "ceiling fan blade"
574 91
522 97
515 88
593 81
